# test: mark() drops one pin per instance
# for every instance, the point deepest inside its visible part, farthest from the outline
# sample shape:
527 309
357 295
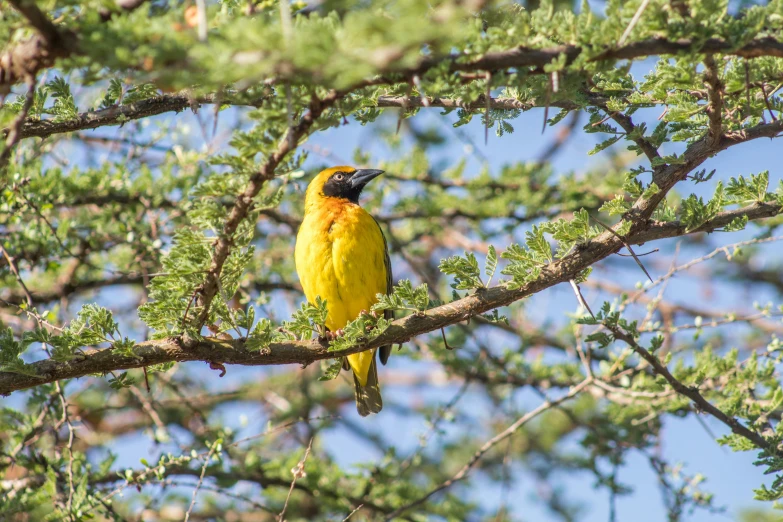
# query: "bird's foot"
371 313
331 336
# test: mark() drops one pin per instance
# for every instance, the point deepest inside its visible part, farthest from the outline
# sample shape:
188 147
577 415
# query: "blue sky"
731 477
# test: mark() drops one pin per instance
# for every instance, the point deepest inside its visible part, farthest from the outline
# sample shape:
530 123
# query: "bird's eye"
339 176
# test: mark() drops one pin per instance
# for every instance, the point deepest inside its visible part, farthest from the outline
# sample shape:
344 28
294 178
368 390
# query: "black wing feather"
385 351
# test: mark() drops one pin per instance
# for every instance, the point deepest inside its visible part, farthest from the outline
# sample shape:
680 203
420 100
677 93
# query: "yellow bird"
341 256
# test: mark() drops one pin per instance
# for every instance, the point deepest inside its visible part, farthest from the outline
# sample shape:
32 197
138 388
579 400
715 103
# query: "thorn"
417 82
443 334
404 108
216 116
639 255
146 379
546 103
289 115
580 297
486 114
625 243
747 87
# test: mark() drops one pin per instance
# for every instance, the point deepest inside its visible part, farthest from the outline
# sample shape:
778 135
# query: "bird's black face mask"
349 185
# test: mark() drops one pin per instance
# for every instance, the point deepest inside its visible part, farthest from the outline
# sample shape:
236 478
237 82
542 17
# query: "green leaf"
332 370
465 271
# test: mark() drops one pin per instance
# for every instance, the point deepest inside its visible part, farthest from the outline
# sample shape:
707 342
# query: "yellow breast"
340 256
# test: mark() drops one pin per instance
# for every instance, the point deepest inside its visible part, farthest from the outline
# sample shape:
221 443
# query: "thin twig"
360 506
298 472
14 132
67 420
766 102
200 480
723 249
691 393
148 408
627 245
580 297
15 270
443 411
463 472
488 107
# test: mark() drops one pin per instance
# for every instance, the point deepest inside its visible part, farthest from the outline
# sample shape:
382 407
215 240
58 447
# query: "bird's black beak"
362 177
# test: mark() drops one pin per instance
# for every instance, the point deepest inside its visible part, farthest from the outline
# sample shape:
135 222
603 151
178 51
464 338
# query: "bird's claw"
331 336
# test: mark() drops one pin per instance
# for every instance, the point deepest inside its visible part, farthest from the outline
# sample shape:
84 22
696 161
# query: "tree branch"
23 61
120 114
447 103
715 94
526 57
491 443
244 202
669 175
690 392
42 50
68 288
14 132
306 352
50 33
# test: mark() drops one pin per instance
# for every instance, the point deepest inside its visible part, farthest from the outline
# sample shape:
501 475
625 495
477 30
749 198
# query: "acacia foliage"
202 236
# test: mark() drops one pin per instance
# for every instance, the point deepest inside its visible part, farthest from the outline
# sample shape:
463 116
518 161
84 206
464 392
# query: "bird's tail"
368 397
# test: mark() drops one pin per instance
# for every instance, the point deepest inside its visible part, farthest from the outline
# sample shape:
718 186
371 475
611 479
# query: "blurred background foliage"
123 162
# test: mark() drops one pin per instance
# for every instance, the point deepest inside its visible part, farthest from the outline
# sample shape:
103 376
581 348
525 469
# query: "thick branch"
26 59
40 22
402 330
23 61
68 288
525 57
35 54
715 93
447 103
676 228
122 113
115 115
665 178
